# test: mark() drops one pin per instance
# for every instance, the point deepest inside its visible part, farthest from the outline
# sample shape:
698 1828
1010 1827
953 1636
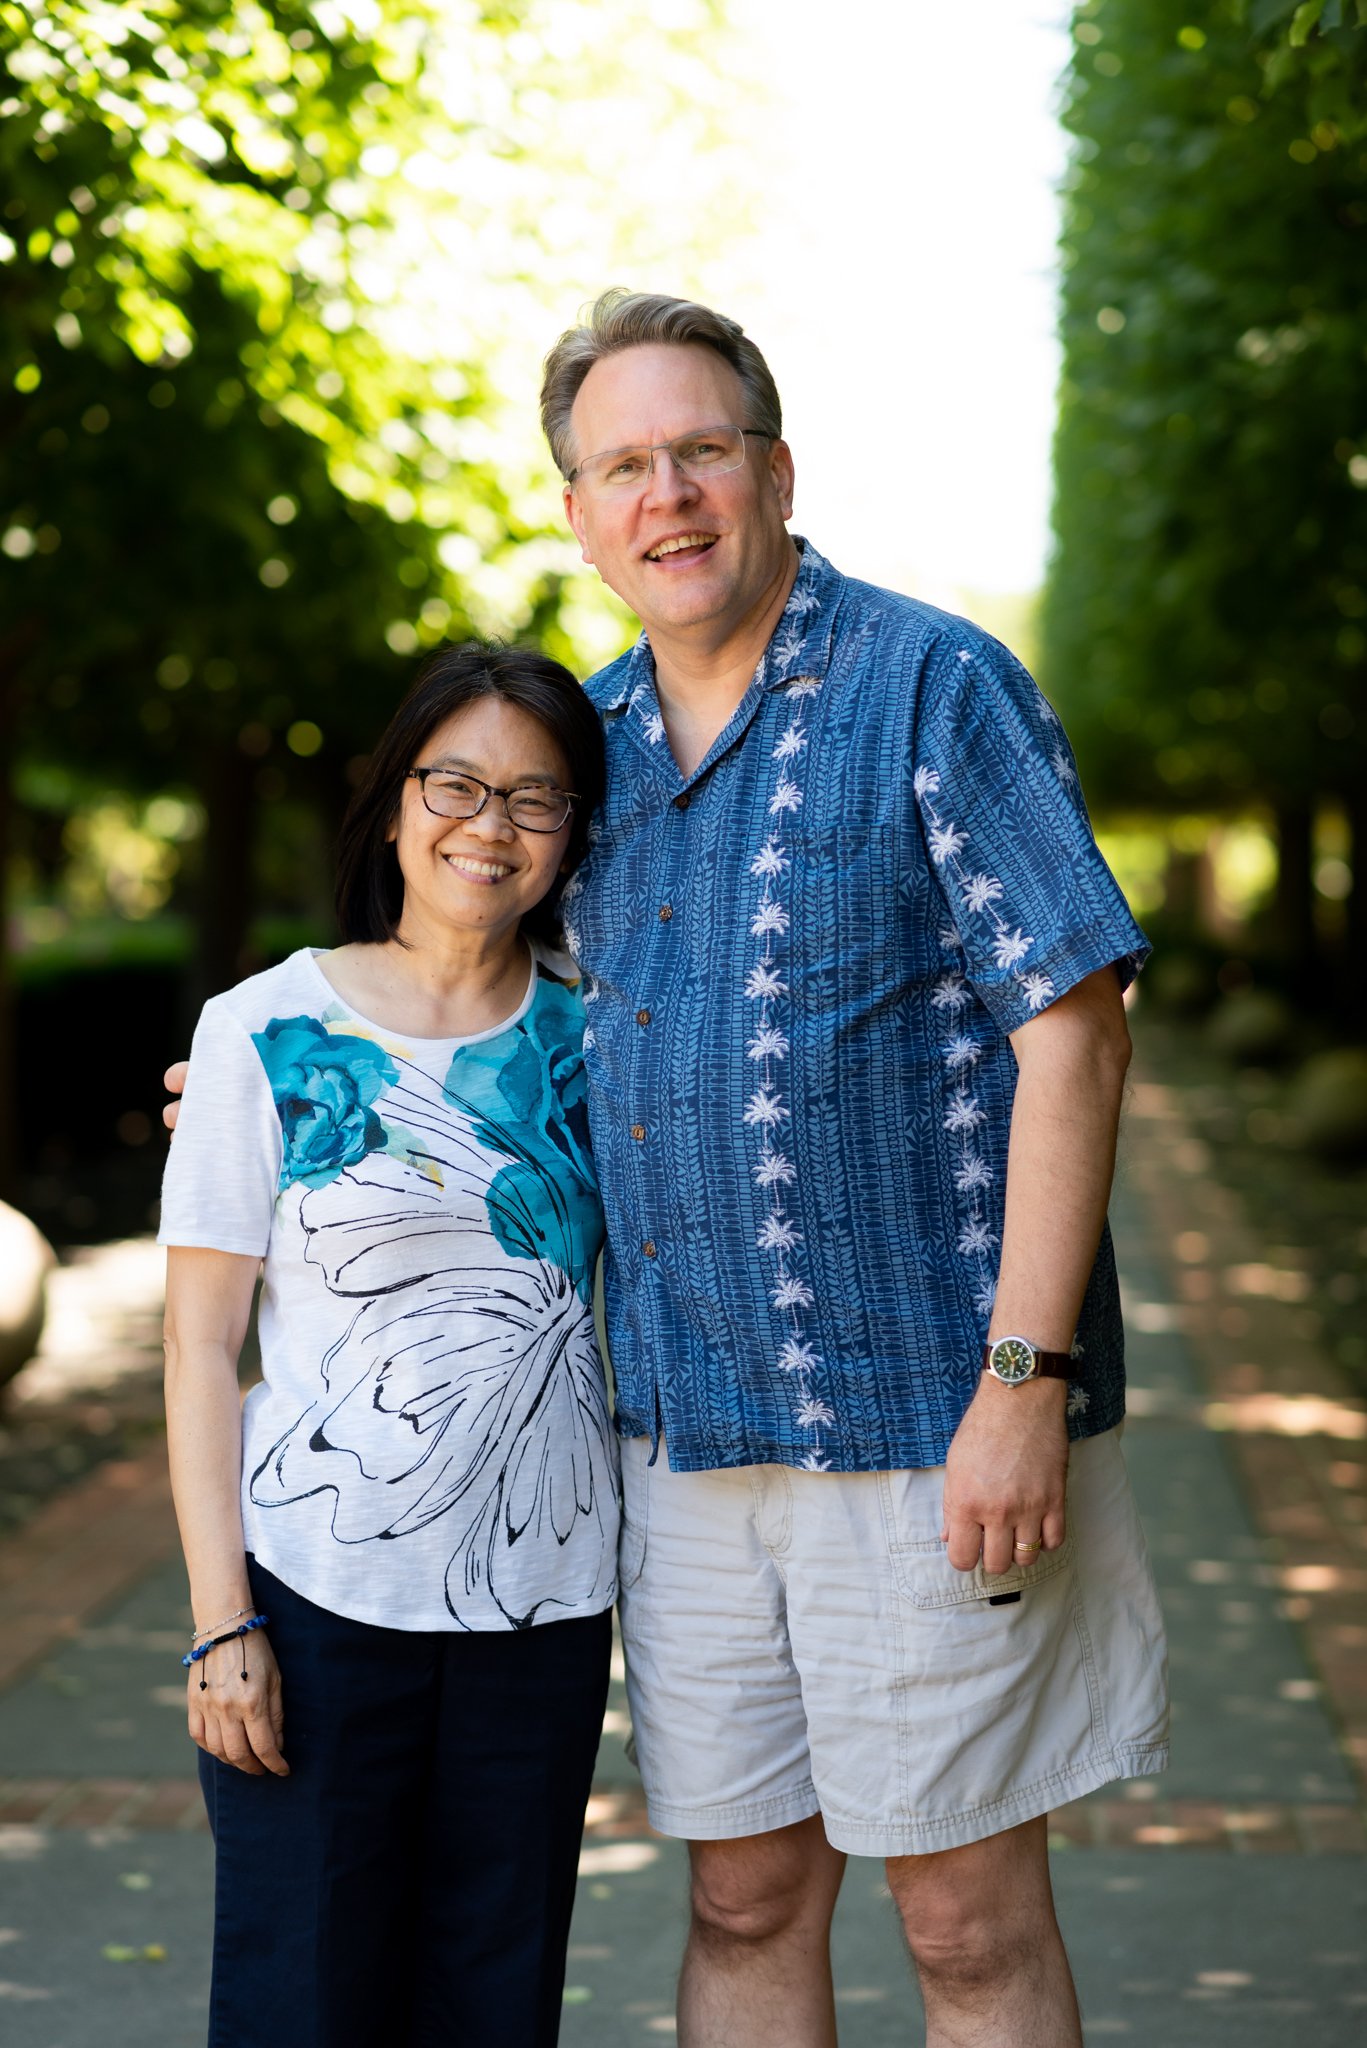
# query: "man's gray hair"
621 319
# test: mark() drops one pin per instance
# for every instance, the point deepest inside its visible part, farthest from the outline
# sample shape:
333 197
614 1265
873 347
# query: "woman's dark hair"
369 896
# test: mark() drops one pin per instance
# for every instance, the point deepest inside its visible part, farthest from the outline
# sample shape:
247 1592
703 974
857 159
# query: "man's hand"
173 1080
1005 1475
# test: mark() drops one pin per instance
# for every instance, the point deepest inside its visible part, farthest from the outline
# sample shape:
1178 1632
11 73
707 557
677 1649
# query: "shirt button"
649 1247
643 1018
666 912
681 803
638 1132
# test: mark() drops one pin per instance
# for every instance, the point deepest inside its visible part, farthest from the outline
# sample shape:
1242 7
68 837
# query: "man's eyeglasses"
531 806
707 451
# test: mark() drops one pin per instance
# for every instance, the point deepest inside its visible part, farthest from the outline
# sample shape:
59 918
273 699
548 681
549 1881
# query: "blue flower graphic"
527 1097
324 1086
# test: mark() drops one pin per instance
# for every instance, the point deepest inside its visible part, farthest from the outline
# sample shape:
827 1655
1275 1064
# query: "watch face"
1013 1360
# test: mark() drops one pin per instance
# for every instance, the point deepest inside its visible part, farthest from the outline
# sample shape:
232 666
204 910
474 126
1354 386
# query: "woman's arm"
208 1303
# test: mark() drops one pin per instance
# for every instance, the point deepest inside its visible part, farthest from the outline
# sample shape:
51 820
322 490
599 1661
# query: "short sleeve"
221 1178
1033 904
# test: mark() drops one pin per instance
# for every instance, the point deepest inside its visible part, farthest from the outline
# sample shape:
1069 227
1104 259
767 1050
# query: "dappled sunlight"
1321 1578
615 1859
1289 1415
1280 1283
20 1844
1254 1414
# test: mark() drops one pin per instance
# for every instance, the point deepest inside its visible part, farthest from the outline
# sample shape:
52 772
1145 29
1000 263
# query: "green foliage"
1295 22
1205 622
275 280
265 423
1317 51
206 522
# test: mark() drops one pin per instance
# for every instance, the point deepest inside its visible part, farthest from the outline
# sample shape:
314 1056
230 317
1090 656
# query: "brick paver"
78 1553
1298 1435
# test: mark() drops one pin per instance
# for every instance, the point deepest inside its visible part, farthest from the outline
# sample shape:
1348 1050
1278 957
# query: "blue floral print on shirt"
525 1093
324 1085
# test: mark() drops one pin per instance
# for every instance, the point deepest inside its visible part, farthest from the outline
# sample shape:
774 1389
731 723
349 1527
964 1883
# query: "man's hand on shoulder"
173 1080
1006 1474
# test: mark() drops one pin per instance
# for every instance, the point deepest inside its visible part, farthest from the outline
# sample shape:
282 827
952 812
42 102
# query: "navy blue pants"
410 1884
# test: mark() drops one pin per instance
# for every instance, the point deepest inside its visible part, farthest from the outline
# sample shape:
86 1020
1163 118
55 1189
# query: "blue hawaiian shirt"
802 963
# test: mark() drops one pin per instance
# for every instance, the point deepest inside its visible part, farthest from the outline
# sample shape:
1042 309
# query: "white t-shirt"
430 1447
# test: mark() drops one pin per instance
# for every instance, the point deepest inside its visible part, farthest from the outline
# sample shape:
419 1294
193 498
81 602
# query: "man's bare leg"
980 1925
757 1968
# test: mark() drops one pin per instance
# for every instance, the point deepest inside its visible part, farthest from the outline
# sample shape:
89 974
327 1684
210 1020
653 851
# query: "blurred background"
1067 308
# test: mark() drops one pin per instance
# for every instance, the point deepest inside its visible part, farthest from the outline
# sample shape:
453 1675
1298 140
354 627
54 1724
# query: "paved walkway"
1222 1903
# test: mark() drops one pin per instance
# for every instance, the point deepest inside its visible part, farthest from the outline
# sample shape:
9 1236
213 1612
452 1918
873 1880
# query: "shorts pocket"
921 1570
924 1574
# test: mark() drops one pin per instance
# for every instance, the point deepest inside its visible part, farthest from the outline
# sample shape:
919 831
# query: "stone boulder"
1253 1028
1328 1101
26 1259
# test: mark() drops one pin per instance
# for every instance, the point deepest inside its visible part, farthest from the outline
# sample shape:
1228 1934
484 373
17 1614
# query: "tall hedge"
1205 619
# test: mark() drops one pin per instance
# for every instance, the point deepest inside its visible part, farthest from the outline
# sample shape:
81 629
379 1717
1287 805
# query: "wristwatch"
1013 1360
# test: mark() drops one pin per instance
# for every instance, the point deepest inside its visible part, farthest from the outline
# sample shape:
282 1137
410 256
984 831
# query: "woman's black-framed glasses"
531 806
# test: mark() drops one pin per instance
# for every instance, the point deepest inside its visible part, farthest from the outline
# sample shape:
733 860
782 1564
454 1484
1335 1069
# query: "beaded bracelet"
231 1635
213 1629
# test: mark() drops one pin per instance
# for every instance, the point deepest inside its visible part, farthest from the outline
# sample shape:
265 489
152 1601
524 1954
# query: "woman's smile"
472 869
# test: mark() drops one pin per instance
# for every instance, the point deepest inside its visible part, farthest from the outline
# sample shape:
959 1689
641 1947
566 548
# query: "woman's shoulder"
287 992
293 987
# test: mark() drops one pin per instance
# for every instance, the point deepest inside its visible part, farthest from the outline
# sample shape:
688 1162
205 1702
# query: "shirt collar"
799 646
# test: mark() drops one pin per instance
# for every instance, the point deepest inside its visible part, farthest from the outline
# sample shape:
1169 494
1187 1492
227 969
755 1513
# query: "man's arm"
1008 1462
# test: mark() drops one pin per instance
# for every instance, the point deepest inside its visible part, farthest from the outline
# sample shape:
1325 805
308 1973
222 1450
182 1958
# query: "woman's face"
479 874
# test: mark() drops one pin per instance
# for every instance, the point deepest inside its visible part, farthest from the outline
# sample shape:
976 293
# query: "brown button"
666 912
681 803
649 1247
643 1018
638 1132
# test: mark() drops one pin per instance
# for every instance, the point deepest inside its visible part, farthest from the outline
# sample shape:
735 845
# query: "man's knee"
973 1915
952 1943
759 1888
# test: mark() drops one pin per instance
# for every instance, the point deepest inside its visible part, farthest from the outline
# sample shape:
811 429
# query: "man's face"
733 525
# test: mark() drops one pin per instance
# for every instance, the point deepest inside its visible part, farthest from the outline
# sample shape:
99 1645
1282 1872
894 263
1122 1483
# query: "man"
855 968
857 1046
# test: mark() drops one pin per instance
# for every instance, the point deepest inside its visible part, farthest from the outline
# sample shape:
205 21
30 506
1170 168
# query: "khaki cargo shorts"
798 1642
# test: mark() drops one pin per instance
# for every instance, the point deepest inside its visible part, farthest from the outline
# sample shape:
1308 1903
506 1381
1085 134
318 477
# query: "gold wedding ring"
1030 1546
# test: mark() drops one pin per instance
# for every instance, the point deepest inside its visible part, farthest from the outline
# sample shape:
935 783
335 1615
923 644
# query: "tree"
182 580
252 382
1205 620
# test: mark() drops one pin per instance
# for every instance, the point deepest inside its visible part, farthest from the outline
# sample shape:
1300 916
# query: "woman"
402 1556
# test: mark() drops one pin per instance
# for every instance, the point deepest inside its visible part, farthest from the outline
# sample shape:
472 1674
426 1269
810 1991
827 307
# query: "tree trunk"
1295 899
9 1078
225 884
12 652
1355 934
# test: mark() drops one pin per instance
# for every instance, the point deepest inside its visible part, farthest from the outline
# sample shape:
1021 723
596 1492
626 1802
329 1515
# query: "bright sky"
869 185
901 278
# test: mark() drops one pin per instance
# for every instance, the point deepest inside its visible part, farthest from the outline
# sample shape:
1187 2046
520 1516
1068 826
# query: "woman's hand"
240 1722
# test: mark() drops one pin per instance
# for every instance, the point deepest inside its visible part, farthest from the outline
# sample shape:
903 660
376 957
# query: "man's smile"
691 545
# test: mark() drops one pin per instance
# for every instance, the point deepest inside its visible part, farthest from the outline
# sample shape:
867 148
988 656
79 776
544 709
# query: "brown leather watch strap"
1049 1365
